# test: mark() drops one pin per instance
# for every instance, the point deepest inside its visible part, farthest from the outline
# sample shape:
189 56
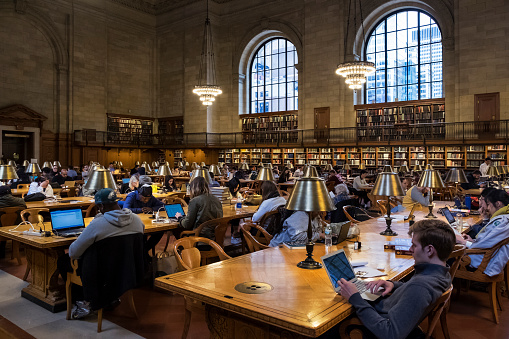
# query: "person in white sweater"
41 185
294 227
271 200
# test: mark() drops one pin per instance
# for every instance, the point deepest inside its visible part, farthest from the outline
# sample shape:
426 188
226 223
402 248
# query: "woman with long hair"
271 200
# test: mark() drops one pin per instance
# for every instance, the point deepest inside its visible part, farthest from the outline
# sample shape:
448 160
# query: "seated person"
213 182
293 226
41 185
134 170
496 230
334 178
406 183
415 195
397 315
132 185
202 207
61 178
8 200
142 200
234 186
271 200
473 179
342 198
298 172
110 222
483 212
285 176
359 183
71 173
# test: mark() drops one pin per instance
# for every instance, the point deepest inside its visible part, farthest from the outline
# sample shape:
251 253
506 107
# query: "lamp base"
389 232
309 264
430 214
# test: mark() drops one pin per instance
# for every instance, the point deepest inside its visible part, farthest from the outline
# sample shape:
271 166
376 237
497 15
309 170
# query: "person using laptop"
110 222
397 315
142 200
497 229
41 185
473 179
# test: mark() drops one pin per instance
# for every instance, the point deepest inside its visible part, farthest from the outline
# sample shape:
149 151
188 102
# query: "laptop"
126 180
173 209
67 223
337 266
343 232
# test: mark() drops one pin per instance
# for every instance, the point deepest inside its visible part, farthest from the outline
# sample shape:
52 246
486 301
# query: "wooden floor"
162 315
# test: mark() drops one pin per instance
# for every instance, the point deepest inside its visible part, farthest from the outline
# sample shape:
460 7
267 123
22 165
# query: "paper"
367 272
357 263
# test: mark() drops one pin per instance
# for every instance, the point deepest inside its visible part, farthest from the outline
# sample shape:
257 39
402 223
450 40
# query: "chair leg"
99 320
187 321
506 280
443 324
492 291
130 298
499 298
68 296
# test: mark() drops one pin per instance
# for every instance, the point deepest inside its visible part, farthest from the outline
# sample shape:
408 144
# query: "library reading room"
254 169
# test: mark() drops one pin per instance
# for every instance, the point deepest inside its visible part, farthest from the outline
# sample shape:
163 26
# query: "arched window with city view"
406 48
273 85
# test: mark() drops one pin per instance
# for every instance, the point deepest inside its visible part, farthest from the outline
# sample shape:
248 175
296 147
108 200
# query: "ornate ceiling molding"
161 6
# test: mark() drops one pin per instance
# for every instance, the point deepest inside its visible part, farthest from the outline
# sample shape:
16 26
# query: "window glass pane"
413 92
380 43
370 97
370 81
435 33
291 60
370 57
380 95
412 75
296 103
290 90
254 93
437 90
425 36
392 94
391 77
282 45
381 28
425 54
436 71
282 91
391 59
402 57
380 78
413 56
296 57
425 73
273 61
412 19
402 93
425 90
282 60
371 45
380 60
436 52
402 20
425 19
413 35
289 104
402 39
391 23
401 73
391 40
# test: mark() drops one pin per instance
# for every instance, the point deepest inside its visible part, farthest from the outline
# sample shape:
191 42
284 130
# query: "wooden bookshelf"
399 116
171 128
129 130
264 128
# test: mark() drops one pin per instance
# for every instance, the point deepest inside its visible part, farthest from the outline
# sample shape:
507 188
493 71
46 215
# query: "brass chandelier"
207 88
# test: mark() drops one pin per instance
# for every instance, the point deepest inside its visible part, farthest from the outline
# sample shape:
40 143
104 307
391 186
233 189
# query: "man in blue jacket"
397 315
142 201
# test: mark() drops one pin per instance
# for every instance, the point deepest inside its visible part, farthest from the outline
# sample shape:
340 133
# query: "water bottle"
328 235
460 222
238 208
468 201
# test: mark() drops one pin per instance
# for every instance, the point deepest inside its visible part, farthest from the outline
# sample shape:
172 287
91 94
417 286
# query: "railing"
457 132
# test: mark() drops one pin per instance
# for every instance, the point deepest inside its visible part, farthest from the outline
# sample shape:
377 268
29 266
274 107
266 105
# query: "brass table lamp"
26 163
46 164
404 169
456 176
289 165
328 167
493 171
244 166
99 179
146 167
215 170
155 164
310 195
417 168
431 178
137 163
7 172
387 169
387 184
362 166
164 170
265 174
57 163
202 164
12 163
33 169
347 168
310 172
200 172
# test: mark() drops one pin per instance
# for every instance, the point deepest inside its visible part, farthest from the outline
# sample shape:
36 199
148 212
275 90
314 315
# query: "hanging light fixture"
354 71
207 88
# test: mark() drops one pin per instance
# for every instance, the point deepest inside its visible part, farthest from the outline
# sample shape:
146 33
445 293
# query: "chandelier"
207 88
355 72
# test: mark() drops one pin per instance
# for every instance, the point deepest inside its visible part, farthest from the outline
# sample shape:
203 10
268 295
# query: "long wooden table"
72 202
302 302
42 254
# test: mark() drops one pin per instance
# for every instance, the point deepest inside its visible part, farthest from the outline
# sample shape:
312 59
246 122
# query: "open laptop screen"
173 209
126 180
66 219
338 267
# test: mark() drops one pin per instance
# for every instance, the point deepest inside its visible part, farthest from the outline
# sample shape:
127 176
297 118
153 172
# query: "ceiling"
159 6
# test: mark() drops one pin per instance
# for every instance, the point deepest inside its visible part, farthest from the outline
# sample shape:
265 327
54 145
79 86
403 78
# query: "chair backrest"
382 205
70 183
456 255
270 219
436 311
284 193
188 256
23 186
171 199
220 227
251 240
489 254
91 211
356 214
33 215
10 215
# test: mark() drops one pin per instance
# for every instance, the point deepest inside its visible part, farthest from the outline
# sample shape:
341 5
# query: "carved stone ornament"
21 116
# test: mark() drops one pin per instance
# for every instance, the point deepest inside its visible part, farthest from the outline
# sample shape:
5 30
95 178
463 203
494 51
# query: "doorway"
17 146
487 113
322 122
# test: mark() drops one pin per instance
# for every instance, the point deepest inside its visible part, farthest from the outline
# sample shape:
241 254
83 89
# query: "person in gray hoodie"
397 315
112 221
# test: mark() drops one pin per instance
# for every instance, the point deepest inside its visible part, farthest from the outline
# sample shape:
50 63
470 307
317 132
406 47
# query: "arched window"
273 77
406 48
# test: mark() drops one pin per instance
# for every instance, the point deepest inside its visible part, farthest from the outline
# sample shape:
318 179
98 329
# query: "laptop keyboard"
361 286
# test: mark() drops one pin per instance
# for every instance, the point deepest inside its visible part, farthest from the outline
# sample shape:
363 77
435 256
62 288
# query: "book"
403 250
295 245
391 245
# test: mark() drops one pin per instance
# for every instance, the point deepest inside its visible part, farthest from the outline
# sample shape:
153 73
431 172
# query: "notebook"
67 223
337 266
173 209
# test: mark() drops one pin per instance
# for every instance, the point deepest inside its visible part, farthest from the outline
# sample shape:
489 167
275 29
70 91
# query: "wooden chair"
181 195
220 226
33 216
171 199
353 328
356 214
284 194
189 257
23 186
9 217
479 276
382 205
91 211
253 241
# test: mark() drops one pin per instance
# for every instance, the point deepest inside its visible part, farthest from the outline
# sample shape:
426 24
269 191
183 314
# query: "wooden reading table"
302 303
42 254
